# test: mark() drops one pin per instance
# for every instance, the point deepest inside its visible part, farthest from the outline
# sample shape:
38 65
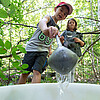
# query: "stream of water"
63 83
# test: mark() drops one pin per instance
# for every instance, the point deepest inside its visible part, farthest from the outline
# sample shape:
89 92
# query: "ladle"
62 59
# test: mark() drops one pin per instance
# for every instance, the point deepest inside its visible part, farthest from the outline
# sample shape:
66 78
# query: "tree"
18 21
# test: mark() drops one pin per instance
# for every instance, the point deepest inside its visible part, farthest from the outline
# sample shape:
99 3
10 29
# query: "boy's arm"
43 25
50 52
79 41
62 39
48 31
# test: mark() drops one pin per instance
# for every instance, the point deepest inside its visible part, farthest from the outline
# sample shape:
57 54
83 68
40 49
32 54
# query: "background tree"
18 21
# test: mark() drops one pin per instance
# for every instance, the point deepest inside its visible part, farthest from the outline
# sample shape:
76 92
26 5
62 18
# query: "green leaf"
22 49
5 78
15 1
24 66
14 53
19 68
25 71
1 43
1 23
3 50
4 69
3 13
14 49
2 75
12 10
5 3
13 74
16 57
0 63
8 44
15 64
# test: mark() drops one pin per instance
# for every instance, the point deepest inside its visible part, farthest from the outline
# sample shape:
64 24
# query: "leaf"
2 75
22 49
3 13
5 3
1 23
1 31
4 69
24 66
16 57
25 71
14 49
8 44
19 68
15 64
1 43
0 63
13 74
3 50
5 78
14 54
12 10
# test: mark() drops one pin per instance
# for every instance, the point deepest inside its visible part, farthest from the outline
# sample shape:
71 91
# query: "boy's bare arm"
50 52
79 41
43 25
62 39
48 31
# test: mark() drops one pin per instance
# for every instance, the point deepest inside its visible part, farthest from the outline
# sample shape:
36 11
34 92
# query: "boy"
38 46
73 40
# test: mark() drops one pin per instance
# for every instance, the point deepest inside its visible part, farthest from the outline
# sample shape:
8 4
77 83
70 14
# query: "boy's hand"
62 39
79 41
49 53
53 31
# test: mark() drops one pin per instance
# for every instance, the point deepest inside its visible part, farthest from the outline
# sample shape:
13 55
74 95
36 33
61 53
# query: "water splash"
63 83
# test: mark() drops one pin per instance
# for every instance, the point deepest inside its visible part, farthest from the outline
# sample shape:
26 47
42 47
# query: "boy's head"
68 6
70 22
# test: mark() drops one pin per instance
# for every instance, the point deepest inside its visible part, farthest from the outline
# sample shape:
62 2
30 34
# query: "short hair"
68 24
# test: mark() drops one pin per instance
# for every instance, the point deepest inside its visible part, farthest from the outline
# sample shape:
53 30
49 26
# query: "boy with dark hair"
38 46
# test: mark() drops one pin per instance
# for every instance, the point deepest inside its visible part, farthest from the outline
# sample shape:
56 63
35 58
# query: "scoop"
62 60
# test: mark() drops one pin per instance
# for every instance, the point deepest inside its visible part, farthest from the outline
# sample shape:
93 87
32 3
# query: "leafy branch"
88 49
18 24
88 18
93 32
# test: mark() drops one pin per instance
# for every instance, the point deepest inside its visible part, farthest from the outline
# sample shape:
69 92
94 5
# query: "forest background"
18 21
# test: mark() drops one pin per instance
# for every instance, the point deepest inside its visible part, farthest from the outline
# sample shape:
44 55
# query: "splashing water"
63 83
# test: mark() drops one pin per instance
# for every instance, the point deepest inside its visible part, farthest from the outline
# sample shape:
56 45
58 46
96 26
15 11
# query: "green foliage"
21 49
3 13
12 10
15 64
1 43
8 44
3 50
3 76
5 3
29 12
24 66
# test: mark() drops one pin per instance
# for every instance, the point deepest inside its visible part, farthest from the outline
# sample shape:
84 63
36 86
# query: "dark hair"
68 24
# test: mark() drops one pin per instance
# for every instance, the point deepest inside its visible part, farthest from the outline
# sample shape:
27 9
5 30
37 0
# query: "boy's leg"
39 66
36 77
22 79
28 59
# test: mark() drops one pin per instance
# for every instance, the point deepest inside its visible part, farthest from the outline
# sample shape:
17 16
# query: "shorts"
36 61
